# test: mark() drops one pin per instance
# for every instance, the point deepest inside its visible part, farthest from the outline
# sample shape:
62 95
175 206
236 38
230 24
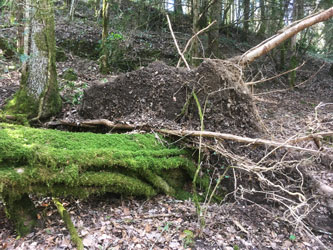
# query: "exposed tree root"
69 224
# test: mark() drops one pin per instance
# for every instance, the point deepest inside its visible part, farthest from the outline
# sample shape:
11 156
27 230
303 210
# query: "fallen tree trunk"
59 164
283 35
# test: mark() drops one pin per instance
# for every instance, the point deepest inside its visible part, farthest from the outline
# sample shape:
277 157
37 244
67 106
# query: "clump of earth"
169 97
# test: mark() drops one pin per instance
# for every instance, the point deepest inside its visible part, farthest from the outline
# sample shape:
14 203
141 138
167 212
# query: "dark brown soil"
162 96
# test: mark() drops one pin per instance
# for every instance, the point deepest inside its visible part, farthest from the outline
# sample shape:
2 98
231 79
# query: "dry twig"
176 44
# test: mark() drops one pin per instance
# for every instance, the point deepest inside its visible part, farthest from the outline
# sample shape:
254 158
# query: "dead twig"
194 36
271 78
176 44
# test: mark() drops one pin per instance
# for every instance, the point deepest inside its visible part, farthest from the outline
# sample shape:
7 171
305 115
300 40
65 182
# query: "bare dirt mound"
163 96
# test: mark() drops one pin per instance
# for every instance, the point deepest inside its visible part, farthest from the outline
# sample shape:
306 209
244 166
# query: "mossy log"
59 164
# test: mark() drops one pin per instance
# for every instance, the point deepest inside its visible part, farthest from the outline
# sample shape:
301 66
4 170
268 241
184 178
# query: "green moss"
22 212
130 164
40 41
22 104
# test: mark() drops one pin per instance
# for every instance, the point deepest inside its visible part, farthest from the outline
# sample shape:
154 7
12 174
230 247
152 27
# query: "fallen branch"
193 133
232 137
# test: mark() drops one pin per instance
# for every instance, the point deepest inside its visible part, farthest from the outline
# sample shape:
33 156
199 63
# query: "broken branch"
176 44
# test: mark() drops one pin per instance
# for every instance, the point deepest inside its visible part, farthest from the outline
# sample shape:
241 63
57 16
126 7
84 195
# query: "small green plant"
114 49
292 237
70 84
188 240
166 226
77 97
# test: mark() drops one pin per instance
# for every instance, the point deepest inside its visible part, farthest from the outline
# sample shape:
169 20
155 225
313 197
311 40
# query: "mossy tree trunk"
298 12
38 96
22 212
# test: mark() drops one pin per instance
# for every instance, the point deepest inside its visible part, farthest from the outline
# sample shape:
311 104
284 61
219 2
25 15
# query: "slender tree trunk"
104 66
178 7
215 13
72 10
298 12
38 96
246 20
195 27
263 21
20 28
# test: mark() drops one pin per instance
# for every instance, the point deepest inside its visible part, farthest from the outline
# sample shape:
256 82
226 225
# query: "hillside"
256 213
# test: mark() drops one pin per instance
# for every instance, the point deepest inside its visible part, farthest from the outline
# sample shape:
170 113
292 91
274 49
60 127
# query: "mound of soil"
163 96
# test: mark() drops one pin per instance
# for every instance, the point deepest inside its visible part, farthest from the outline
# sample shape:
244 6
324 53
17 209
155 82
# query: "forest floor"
162 222
166 223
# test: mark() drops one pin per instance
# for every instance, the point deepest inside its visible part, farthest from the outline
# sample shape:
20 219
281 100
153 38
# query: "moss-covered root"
69 224
22 212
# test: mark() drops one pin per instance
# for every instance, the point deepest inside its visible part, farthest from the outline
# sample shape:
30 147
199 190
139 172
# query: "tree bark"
283 35
72 10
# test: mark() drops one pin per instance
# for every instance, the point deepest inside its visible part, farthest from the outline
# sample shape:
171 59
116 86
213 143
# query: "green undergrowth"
51 162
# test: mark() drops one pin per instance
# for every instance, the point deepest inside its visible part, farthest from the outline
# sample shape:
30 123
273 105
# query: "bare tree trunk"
213 34
195 27
298 12
246 20
72 10
38 96
104 67
283 35
178 7
263 21
20 28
